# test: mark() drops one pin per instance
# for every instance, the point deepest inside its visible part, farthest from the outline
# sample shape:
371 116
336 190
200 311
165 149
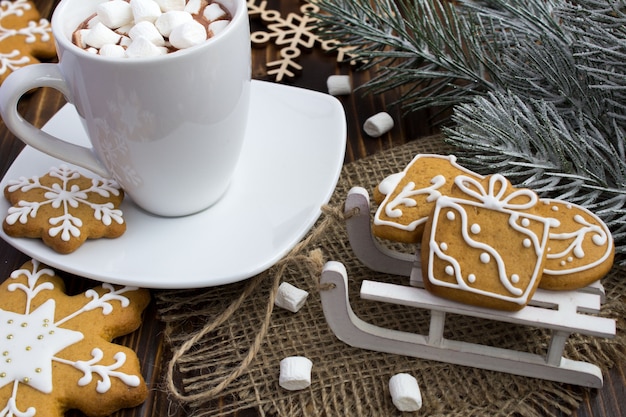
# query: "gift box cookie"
480 247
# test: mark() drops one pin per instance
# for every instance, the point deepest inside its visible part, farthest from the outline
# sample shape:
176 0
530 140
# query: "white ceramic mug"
169 129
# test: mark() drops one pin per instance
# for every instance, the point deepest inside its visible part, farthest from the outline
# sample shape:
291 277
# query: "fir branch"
538 86
431 61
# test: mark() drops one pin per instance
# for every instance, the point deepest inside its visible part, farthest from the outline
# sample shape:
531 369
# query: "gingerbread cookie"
580 246
64 208
56 350
407 198
480 247
24 36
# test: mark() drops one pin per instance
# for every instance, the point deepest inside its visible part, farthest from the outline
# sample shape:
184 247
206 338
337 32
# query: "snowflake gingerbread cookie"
56 350
24 36
64 208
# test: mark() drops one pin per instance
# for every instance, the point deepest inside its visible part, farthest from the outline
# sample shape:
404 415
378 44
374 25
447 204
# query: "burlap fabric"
227 342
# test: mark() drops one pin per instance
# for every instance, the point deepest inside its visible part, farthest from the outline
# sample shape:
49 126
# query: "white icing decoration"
443 246
600 236
11 408
103 301
493 198
471 278
450 215
475 228
62 195
27 345
392 209
9 62
388 184
30 340
31 288
392 206
105 372
485 258
529 233
527 243
449 270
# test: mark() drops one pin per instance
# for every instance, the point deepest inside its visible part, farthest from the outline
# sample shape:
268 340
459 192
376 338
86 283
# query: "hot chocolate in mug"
169 129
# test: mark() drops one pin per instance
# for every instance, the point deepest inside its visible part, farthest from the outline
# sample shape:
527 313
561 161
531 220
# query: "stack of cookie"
485 242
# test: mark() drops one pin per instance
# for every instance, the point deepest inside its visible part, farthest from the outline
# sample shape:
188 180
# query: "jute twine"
227 342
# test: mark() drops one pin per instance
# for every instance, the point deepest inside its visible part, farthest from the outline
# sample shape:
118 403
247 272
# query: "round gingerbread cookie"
64 208
24 36
580 246
56 350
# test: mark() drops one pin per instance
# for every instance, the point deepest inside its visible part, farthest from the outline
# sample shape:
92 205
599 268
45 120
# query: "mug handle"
14 87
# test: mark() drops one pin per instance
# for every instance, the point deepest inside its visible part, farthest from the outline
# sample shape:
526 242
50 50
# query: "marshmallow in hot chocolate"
141 28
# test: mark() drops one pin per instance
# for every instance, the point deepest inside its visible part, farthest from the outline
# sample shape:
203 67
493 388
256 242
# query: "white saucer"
290 165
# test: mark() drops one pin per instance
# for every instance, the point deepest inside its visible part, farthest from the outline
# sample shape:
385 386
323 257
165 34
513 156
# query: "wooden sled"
562 312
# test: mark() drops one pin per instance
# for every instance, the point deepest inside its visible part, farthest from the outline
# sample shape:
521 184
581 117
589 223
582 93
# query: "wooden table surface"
317 65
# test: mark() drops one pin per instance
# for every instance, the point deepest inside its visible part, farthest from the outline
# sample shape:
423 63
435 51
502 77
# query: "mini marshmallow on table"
339 85
405 392
295 373
378 124
290 297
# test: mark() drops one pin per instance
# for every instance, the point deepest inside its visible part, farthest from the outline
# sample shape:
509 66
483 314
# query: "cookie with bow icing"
64 208
56 349
482 244
24 36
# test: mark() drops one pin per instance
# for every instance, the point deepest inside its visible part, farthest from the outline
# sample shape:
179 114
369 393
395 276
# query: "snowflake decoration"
48 338
23 36
290 34
64 208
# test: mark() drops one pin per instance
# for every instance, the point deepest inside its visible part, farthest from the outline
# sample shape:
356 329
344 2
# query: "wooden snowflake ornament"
55 349
24 36
64 208
290 35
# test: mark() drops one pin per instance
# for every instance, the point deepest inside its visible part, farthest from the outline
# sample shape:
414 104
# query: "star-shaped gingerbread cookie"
56 352
25 37
64 208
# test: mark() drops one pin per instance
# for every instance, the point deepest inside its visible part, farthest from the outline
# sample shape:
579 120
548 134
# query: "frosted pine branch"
538 87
